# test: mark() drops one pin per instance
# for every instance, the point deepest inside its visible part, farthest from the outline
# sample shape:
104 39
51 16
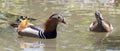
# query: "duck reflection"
99 40
113 42
33 44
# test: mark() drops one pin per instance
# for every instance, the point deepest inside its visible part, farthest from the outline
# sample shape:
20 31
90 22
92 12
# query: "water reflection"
33 44
112 43
99 39
75 36
104 42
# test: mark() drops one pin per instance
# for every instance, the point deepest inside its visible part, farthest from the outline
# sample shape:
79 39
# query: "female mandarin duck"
25 28
100 25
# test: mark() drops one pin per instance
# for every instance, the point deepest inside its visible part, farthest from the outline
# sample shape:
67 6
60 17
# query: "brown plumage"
51 24
100 25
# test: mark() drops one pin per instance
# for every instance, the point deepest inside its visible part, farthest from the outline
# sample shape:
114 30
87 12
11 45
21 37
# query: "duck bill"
63 21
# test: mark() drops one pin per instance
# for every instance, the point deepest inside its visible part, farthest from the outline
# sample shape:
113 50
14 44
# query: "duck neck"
100 22
50 30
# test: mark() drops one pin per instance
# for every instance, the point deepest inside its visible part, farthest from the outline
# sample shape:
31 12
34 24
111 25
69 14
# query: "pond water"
74 36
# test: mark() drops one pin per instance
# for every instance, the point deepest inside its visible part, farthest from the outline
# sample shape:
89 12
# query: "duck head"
58 17
50 30
98 16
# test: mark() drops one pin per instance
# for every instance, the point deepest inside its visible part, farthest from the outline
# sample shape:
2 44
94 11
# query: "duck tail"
13 25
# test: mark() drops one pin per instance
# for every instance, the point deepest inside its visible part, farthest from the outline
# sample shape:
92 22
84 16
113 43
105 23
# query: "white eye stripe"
57 16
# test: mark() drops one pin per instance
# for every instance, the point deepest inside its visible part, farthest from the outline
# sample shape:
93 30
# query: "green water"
74 36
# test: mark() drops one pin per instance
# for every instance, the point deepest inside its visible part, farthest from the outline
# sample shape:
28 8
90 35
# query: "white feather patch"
29 30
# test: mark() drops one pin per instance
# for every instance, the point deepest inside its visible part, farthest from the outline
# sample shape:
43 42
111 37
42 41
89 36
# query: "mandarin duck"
100 24
25 28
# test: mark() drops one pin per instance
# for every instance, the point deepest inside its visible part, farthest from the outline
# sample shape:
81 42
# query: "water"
74 36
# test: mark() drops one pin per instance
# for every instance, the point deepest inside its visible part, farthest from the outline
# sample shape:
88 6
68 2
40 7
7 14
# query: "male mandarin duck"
100 25
25 28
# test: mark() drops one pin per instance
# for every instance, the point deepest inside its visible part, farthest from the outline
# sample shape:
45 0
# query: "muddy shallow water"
74 36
